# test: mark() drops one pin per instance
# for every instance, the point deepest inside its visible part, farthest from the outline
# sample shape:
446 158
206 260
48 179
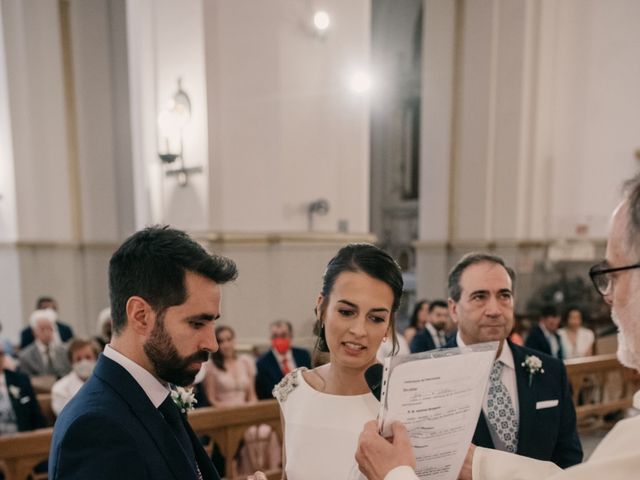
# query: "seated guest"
433 336
576 340
19 408
44 357
229 381
417 321
544 337
281 359
63 332
104 328
82 355
387 349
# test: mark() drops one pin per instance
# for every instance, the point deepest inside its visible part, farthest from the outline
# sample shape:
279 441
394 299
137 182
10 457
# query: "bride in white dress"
324 409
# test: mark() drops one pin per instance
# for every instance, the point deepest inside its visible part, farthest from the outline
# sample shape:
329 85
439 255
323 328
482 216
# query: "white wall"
35 81
545 115
597 110
8 208
95 123
284 129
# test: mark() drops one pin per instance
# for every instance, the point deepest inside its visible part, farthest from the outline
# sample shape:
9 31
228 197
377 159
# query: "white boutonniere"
184 398
532 365
15 392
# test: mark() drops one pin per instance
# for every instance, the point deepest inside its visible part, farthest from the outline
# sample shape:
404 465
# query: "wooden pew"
229 425
21 452
44 399
601 386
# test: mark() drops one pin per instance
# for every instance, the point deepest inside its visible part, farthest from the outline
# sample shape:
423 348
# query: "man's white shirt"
508 375
155 390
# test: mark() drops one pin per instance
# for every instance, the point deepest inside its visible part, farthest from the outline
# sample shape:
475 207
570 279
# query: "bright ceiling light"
360 82
321 20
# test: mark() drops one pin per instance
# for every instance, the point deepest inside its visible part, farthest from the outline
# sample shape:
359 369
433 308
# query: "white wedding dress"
321 430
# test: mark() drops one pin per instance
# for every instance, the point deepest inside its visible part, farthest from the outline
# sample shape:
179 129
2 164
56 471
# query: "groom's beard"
167 362
628 342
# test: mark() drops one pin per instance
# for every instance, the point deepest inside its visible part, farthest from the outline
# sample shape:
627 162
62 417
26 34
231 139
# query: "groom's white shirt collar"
155 390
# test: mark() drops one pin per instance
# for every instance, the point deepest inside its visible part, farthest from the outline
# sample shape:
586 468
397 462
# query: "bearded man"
123 423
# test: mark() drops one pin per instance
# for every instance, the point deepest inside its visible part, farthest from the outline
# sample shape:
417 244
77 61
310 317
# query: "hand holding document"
437 395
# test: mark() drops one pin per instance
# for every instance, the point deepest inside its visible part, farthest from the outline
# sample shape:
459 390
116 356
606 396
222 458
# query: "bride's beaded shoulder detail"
288 384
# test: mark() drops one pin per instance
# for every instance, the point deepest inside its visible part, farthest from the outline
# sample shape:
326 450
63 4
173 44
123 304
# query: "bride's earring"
384 339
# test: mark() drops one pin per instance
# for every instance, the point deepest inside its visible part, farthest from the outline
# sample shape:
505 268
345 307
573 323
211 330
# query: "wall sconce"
317 207
171 122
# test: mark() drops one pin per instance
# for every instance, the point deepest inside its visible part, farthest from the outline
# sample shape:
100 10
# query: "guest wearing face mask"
281 359
82 355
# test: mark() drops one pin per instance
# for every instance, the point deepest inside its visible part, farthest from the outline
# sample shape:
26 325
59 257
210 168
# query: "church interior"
275 132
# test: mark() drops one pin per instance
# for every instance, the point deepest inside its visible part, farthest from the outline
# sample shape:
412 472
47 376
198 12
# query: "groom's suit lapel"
151 419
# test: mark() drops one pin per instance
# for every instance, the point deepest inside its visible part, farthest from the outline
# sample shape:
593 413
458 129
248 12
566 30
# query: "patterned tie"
500 412
285 366
171 414
49 361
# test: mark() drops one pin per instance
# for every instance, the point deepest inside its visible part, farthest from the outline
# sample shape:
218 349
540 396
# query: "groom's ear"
139 315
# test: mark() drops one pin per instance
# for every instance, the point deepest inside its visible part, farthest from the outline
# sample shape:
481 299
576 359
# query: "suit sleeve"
536 341
568 450
491 464
263 392
416 344
401 473
89 450
35 413
307 359
496 465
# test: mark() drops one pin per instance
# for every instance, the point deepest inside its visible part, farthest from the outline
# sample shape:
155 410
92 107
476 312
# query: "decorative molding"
62 245
497 244
275 238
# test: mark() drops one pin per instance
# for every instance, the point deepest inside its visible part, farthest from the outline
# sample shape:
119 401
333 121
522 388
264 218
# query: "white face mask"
84 368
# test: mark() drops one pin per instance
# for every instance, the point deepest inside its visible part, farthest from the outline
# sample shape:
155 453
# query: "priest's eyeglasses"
602 278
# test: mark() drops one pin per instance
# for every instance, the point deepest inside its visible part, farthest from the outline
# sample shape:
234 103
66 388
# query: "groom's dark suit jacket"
545 432
111 430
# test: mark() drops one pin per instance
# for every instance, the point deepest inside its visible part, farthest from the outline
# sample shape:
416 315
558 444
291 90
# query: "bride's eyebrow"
347 302
351 304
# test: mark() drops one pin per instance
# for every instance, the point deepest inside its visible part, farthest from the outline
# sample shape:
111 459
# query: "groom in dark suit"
123 424
528 408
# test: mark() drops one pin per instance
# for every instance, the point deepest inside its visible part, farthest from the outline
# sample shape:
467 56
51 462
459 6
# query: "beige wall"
543 130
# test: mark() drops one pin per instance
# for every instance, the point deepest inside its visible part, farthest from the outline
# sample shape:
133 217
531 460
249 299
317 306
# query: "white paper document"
437 395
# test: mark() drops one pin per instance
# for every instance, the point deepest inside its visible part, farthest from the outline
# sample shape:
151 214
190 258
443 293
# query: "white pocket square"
546 404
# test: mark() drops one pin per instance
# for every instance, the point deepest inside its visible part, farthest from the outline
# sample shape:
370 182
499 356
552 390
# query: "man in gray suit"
44 357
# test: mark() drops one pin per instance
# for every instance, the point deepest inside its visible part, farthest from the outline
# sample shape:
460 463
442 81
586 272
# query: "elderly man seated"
44 357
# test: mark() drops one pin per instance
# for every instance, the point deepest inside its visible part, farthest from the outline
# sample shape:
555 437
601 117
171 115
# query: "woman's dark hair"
567 311
369 259
413 320
216 357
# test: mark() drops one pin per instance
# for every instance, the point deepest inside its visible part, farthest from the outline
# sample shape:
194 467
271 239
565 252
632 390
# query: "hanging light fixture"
171 123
